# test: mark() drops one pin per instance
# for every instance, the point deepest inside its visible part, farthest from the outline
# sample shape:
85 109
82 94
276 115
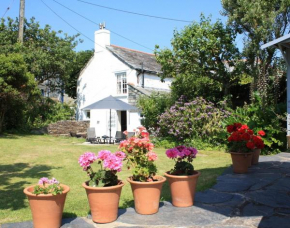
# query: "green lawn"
26 158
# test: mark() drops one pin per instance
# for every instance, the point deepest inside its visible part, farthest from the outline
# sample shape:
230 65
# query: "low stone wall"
69 128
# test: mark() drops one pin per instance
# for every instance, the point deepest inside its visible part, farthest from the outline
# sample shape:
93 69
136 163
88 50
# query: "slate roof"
134 59
148 90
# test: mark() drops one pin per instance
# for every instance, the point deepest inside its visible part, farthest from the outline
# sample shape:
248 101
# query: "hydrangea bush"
183 157
195 119
109 164
48 186
140 156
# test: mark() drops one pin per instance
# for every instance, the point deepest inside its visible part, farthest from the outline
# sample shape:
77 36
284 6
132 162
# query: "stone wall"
69 128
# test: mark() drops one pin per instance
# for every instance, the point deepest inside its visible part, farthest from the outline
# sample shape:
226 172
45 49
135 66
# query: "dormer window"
121 83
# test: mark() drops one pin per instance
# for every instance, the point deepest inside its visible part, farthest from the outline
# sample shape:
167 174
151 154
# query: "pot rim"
28 193
163 179
242 153
121 184
197 173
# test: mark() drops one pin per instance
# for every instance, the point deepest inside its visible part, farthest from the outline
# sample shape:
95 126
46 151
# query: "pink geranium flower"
151 156
86 159
120 154
103 154
113 162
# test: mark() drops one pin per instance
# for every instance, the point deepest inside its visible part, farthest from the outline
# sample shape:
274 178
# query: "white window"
121 83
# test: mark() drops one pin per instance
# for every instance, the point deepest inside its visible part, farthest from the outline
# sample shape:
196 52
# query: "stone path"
260 198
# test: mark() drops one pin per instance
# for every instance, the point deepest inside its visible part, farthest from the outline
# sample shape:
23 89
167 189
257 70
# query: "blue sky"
144 30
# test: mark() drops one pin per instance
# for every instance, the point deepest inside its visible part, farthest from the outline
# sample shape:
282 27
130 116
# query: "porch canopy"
110 102
283 43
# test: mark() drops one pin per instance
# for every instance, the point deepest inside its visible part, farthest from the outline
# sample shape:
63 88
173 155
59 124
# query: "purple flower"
172 153
43 180
53 181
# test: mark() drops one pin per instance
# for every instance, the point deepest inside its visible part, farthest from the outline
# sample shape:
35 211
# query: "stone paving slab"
260 198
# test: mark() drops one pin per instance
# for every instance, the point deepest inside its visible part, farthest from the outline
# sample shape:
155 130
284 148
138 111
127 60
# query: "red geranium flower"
261 132
250 145
244 127
230 128
251 132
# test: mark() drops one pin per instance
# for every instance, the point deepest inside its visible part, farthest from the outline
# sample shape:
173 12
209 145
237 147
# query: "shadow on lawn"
11 194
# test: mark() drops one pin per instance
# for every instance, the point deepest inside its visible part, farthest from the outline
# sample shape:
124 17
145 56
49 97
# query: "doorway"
123 121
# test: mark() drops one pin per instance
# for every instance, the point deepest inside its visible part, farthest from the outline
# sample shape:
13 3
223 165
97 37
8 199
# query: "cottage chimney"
102 38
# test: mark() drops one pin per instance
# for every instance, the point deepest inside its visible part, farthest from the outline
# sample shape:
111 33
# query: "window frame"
122 85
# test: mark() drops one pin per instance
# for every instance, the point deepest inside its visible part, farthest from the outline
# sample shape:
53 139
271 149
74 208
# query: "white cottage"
122 73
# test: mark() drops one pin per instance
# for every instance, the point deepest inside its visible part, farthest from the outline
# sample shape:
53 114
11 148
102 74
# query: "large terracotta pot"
147 195
46 209
104 202
182 189
255 157
241 161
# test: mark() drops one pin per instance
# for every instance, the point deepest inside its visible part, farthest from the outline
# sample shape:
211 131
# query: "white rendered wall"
153 81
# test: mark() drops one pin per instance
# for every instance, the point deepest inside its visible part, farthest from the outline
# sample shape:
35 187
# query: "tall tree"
79 61
204 61
48 53
16 84
260 21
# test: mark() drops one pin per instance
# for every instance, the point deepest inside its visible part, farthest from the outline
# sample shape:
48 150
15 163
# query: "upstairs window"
121 83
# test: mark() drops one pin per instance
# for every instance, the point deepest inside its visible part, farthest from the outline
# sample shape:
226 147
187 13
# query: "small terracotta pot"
255 157
46 209
104 202
147 195
240 161
182 189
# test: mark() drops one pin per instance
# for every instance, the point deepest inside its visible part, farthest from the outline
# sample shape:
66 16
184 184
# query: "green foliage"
204 61
53 189
143 170
48 53
163 142
103 178
261 21
271 119
183 167
17 87
46 111
152 107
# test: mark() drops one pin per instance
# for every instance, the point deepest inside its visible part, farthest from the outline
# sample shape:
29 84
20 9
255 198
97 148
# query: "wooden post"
21 21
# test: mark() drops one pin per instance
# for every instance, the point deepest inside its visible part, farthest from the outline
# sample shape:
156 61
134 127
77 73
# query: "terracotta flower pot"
241 161
147 195
182 189
249 159
255 157
46 209
104 202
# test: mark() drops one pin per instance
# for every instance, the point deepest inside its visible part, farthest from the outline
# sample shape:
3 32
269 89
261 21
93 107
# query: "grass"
26 158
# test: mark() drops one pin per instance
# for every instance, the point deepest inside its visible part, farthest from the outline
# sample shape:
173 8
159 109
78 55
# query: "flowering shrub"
110 163
196 119
139 155
183 157
242 138
46 186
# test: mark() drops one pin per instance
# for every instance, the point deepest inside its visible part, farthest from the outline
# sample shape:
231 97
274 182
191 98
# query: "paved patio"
260 198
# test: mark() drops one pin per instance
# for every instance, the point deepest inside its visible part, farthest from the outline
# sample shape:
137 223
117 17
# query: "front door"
123 121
